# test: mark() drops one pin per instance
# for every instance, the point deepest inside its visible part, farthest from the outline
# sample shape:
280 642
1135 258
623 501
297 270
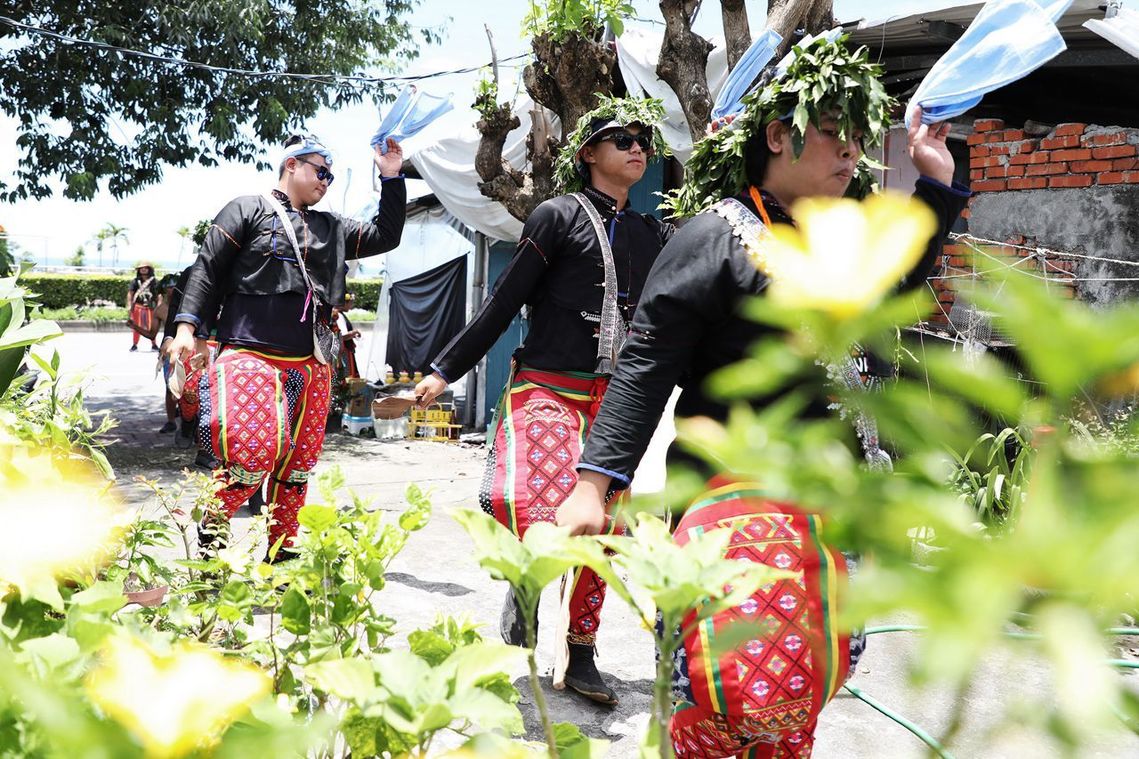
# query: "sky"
51 229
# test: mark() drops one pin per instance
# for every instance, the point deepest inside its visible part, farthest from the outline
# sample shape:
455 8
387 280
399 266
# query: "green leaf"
430 646
54 651
316 517
574 744
103 596
351 679
296 614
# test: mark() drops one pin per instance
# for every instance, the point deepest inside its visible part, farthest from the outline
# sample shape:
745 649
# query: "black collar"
288 204
604 203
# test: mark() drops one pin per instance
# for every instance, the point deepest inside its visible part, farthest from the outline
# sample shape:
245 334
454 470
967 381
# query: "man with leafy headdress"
801 135
580 266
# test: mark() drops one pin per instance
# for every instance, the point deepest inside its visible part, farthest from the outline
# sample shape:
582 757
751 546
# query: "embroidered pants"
541 424
264 416
761 699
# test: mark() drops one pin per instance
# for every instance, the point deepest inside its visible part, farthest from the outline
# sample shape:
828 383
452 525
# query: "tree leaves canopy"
89 114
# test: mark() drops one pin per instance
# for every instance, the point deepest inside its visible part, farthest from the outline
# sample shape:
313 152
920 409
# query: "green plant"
587 18
63 290
992 476
77 258
15 335
529 565
486 95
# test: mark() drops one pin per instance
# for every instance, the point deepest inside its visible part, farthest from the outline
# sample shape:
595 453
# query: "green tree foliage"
78 258
88 114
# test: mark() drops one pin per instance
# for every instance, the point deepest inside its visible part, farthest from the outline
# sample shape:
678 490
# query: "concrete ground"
437 574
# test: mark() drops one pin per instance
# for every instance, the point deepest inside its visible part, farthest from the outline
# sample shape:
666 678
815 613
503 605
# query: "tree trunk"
565 78
683 65
736 32
787 16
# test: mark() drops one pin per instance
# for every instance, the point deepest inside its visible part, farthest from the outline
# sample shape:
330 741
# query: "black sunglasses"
322 172
625 140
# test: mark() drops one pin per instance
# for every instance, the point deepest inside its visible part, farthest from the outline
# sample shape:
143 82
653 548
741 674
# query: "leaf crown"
647 111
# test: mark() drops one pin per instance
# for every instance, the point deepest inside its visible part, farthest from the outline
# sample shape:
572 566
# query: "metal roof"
938 27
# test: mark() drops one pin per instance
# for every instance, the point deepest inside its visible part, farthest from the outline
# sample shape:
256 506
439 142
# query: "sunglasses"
322 172
625 140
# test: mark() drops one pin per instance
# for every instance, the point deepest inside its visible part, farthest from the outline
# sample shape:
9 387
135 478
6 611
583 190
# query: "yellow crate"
434 423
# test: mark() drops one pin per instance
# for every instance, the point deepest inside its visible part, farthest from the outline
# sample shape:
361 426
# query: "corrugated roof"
916 32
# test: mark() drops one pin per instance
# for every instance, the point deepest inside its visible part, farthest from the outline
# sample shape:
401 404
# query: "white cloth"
1122 30
637 53
445 159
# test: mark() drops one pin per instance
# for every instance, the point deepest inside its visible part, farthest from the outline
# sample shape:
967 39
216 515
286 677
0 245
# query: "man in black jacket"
580 265
264 401
689 325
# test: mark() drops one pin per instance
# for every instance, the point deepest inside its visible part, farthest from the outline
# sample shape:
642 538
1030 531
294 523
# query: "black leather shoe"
583 677
513 627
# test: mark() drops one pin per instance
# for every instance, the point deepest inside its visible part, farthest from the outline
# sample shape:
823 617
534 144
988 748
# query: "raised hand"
928 150
391 162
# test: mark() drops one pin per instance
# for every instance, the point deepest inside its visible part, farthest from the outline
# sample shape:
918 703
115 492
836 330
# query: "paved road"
436 574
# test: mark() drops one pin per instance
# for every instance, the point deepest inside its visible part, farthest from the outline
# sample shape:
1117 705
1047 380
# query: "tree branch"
736 32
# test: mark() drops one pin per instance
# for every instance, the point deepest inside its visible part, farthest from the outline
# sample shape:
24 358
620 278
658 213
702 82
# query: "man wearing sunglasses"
579 266
264 400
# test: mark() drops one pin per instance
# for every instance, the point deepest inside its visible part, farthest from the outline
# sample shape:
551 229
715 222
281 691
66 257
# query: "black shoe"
154 348
206 460
133 348
512 625
583 677
168 427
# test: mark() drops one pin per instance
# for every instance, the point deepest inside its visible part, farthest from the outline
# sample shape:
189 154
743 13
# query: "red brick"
1071 180
1052 143
1114 151
977 138
1031 183
1063 130
1119 177
984 163
981 151
998 149
996 172
966 214
976 174
1106 138
1046 169
1015 171
1125 164
987 125
1007 135
989 185
1025 146
1080 154
1090 167
1041 156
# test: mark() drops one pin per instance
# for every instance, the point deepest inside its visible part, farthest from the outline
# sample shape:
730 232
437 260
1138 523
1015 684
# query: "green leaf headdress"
824 78
646 111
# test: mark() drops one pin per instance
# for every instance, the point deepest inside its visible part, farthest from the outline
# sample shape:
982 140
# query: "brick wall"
1071 157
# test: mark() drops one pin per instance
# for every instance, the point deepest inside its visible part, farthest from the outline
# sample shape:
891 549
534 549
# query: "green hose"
925 737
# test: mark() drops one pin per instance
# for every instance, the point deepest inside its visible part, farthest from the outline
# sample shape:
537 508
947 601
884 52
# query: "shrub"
64 290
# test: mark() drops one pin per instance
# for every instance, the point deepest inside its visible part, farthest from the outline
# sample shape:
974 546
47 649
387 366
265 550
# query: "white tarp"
1122 30
637 54
447 164
447 161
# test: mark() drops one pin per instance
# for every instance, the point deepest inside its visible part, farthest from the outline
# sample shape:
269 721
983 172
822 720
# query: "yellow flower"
177 702
844 255
57 518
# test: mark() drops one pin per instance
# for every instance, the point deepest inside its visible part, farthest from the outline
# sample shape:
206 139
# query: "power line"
328 79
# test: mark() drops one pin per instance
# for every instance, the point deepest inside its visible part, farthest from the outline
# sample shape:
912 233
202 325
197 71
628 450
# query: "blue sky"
53 228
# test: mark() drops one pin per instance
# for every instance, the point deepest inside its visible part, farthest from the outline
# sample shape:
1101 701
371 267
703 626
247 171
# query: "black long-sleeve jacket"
688 326
557 270
247 253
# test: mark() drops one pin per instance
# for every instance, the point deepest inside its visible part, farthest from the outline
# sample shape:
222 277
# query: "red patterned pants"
541 424
264 416
761 699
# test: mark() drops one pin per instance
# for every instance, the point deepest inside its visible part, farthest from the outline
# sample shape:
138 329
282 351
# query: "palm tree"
185 233
113 233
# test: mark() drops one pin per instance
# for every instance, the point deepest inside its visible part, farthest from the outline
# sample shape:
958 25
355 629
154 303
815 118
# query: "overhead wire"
327 79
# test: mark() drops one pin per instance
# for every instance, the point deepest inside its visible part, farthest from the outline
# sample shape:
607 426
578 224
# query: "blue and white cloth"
730 100
1008 40
413 110
307 146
